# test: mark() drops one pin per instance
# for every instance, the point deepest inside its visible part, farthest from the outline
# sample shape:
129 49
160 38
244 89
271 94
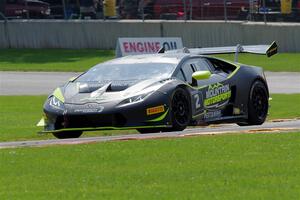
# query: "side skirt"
229 119
102 128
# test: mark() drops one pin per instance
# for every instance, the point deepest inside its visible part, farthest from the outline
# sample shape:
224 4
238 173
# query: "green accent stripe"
58 94
103 128
160 117
195 116
234 72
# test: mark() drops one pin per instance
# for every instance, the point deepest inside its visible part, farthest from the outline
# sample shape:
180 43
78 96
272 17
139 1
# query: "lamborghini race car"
166 91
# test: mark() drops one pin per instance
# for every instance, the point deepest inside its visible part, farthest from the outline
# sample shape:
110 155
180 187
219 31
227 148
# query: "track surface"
32 83
284 126
43 83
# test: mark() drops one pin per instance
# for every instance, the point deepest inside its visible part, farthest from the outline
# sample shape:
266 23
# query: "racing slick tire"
258 104
68 134
180 113
180 109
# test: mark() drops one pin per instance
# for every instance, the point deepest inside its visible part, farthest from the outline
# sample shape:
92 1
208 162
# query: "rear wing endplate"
268 50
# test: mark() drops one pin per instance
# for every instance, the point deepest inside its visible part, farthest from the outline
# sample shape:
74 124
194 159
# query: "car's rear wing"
268 50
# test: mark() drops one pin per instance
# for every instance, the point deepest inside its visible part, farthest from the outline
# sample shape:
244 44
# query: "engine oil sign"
135 46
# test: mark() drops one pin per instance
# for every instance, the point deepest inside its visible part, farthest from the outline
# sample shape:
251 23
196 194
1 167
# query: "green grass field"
237 166
286 62
51 59
81 60
20 114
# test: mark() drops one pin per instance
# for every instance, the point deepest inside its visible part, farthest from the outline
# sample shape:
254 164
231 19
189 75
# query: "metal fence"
245 10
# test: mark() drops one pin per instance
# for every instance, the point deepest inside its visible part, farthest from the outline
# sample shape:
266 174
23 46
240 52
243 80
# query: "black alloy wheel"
181 109
258 104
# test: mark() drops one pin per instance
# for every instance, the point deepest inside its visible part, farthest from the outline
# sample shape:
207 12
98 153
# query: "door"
209 97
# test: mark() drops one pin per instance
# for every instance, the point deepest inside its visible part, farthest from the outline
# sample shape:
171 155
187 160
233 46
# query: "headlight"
56 103
135 99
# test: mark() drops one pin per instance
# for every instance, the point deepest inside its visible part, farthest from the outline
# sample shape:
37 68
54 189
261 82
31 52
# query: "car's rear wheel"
258 104
67 134
181 109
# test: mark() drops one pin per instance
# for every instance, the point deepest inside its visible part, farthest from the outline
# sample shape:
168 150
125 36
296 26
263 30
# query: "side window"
180 75
221 67
202 65
188 71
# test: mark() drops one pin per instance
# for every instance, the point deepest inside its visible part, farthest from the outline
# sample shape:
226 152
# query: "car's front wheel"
258 104
67 134
181 109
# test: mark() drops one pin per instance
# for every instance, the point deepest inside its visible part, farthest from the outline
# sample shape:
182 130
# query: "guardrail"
101 34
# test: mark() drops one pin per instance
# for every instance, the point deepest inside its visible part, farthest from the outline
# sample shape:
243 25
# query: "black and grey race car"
166 91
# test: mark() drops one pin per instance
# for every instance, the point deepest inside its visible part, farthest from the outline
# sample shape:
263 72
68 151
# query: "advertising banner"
135 46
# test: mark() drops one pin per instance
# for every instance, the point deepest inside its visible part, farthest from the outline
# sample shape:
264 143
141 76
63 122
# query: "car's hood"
101 92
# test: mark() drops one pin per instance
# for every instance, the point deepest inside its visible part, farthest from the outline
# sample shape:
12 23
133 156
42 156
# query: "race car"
167 91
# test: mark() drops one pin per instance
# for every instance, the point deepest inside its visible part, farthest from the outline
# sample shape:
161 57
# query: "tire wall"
100 34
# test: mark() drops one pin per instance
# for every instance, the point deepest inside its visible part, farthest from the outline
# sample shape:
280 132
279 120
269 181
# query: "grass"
238 166
81 60
282 62
20 114
51 59
285 106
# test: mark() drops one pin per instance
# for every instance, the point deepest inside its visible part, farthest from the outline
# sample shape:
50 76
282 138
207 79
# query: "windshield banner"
135 46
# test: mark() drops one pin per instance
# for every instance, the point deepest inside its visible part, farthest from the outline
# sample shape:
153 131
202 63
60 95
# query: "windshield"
104 72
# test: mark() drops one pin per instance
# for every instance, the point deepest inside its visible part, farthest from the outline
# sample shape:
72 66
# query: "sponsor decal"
55 103
217 95
134 46
212 114
155 110
94 99
90 108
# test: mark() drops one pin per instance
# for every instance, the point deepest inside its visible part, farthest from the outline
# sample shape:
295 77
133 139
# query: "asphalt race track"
268 127
43 83
32 83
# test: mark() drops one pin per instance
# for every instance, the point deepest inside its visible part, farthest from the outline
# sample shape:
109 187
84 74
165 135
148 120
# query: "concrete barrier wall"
206 34
103 35
3 39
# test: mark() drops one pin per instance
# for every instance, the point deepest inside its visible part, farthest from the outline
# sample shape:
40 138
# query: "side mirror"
201 75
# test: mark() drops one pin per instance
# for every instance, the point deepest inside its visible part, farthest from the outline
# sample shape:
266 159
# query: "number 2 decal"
197 101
